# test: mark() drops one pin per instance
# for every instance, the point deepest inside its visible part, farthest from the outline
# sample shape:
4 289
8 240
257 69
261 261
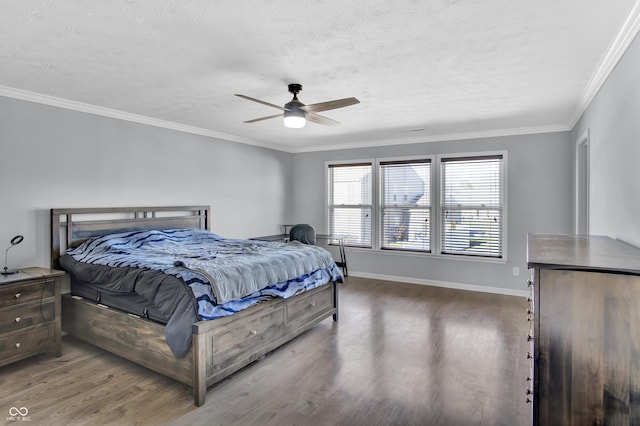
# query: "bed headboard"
70 227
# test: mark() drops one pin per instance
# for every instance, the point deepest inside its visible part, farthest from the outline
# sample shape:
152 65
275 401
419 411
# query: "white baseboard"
458 286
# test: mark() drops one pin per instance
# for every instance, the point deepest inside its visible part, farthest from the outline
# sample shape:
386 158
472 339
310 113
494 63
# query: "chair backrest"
304 233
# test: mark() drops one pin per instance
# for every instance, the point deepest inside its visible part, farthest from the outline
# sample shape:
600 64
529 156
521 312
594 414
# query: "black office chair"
304 233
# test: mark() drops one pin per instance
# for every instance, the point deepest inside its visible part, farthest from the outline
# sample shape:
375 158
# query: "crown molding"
616 51
39 98
141 119
439 138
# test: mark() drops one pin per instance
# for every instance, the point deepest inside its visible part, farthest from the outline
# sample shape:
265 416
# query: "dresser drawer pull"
528 392
529 337
18 295
254 332
18 344
529 356
528 401
529 311
18 319
529 283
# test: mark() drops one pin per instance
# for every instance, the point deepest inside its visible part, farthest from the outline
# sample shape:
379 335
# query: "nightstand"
30 321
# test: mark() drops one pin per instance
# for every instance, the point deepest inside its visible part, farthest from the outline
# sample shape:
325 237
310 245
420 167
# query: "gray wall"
613 121
539 200
52 157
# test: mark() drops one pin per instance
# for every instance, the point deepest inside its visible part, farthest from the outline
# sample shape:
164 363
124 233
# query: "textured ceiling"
422 70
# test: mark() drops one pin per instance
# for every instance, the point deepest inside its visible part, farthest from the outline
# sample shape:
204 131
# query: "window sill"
433 256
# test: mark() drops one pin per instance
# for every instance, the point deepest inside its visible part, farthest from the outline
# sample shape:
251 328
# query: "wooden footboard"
220 347
134 338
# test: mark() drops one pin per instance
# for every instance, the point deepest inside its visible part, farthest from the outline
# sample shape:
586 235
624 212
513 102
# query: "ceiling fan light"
294 119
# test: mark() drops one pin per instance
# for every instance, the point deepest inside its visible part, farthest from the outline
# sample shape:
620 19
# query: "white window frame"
435 193
374 200
378 206
505 215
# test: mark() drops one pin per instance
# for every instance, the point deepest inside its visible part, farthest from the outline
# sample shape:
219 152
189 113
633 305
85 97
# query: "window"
471 219
349 202
405 205
448 204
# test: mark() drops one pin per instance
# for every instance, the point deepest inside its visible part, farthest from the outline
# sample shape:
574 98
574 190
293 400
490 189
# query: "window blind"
405 205
349 206
471 222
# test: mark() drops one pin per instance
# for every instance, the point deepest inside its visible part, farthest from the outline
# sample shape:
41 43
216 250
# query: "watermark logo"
18 414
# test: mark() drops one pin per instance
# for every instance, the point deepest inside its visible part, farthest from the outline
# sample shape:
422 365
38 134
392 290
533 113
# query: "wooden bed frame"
220 347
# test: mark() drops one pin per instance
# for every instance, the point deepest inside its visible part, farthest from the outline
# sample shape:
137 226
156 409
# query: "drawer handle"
18 344
254 332
18 295
529 311
529 337
529 283
529 401
528 392
18 319
529 356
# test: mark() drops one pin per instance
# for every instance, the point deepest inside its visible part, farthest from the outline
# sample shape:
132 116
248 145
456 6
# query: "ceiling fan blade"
325 106
320 119
261 102
262 118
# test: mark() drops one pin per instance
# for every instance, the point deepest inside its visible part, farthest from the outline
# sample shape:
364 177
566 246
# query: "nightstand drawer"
30 314
37 290
25 315
20 345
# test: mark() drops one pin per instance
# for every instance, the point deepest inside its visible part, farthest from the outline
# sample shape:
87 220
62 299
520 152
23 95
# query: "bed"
218 347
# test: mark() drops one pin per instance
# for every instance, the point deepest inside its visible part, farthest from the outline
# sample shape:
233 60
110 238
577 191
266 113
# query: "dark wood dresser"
29 314
585 337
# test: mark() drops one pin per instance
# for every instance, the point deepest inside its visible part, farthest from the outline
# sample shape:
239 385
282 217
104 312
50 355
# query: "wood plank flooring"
401 354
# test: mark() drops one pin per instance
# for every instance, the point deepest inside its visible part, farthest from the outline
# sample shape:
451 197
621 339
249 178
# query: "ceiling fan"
296 113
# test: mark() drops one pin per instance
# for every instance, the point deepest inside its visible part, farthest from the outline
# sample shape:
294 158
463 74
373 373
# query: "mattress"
218 269
131 303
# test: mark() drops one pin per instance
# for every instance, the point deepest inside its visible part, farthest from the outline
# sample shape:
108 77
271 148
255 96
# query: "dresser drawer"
25 315
315 303
37 290
20 345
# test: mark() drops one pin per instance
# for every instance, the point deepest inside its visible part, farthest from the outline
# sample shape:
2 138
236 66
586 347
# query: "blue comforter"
224 274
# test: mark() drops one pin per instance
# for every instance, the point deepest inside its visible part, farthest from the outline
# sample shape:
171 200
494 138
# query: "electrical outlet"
516 271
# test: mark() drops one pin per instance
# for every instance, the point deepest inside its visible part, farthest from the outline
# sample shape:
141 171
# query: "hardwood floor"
401 354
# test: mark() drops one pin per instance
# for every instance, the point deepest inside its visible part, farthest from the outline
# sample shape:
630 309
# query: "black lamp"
14 241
